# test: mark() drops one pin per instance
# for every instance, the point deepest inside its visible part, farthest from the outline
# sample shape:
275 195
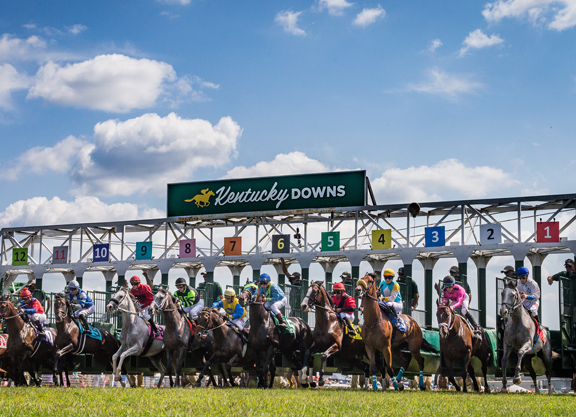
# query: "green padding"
109 327
491 335
432 337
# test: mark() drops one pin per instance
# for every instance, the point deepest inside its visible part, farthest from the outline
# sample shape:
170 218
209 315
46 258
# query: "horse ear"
125 285
437 303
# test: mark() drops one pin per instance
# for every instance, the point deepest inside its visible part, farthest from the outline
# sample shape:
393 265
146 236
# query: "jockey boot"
38 326
477 333
84 321
351 330
392 311
154 327
281 322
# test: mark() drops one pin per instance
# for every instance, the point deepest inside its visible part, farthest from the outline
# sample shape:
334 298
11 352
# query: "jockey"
344 306
191 303
83 305
458 298
144 298
273 297
33 309
235 313
529 291
390 293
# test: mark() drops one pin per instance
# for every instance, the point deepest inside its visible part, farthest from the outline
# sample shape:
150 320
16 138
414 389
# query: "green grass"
278 402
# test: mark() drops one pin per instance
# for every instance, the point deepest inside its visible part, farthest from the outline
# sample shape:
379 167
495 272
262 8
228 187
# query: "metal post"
428 291
121 280
165 279
482 295
537 276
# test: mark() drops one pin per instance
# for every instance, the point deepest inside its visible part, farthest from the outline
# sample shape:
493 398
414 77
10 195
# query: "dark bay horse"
135 335
24 350
457 343
377 332
179 334
264 339
519 337
328 336
70 340
226 345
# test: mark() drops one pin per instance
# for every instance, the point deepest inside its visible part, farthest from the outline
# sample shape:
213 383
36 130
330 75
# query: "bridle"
208 328
517 302
367 288
313 301
163 303
9 317
117 303
450 325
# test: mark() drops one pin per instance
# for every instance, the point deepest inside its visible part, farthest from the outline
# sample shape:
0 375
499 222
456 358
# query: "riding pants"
276 306
195 309
37 316
84 311
397 306
239 322
144 312
532 307
465 304
349 316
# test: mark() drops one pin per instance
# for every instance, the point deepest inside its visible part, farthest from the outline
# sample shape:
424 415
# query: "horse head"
60 307
159 302
208 319
7 309
314 296
366 286
244 297
511 299
445 316
118 298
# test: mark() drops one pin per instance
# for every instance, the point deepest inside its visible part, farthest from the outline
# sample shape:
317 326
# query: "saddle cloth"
2 343
540 333
386 309
357 329
290 328
92 332
160 335
472 330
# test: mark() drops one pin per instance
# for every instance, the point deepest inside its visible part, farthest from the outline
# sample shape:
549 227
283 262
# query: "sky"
104 103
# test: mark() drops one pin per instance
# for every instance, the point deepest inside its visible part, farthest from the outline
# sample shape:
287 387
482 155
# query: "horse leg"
387 354
233 360
157 362
272 374
546 355
528 365
129 352
521 352
169 355
464 371
205 370
472 374
448 362
505 355
223 375
303 372
267 361
115 368
372 357
415 353
179 364
329 352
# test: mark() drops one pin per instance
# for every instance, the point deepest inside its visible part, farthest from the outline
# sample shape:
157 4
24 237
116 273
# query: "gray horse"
134 334
519 337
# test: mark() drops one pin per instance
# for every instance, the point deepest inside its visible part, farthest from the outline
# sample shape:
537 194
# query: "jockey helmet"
522 271
180 281
389 272
229 292
25 293
338 287
454 270
346 275
264 278
73 284
135 280
448 280
401 271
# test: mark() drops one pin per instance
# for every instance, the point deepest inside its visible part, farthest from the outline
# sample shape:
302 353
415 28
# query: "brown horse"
71 341
24 350
226 347
328 336
378 331
458 344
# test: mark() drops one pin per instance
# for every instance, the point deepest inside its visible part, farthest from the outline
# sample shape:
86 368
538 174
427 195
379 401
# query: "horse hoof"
517 380
321 383
312 384
401 387
304 385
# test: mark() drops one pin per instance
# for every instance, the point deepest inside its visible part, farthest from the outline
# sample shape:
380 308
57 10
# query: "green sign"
290 192
330 241
20 256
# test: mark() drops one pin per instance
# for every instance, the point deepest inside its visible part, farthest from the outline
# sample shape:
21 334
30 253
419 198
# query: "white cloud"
10 81
283 164
77 29
40 159
450 86
334 7
289 22
40 211
368 16
434 44
144 154
12 48
112 83
443 180
478 40
556 14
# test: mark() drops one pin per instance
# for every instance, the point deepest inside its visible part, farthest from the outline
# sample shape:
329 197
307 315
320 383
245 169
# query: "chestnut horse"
377 332
24 350
70 341
457 343
328 336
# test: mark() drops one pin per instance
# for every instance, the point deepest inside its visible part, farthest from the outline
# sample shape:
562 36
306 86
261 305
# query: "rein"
450 325
315 303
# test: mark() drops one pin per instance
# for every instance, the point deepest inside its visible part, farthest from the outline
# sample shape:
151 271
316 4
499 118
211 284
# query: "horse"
329 336
135 335
71 341
24 349
226 345
457 343
519 337
378 332
179 333
264 339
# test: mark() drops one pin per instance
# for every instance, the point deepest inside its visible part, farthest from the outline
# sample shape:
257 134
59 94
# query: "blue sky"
104 103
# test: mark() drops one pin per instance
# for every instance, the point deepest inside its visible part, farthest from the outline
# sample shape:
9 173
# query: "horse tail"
428 347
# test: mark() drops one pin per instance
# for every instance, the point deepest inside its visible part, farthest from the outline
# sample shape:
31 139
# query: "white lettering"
341 190
331 192
306 192
318 192
295 193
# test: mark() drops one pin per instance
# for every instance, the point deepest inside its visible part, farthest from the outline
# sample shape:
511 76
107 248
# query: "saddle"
357 329
475 333
91 331
386 309
290 328
151 337
540 333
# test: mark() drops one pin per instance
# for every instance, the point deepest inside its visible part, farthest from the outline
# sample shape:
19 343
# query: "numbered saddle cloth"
357 329
91 331
540 333
386 309
290 328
